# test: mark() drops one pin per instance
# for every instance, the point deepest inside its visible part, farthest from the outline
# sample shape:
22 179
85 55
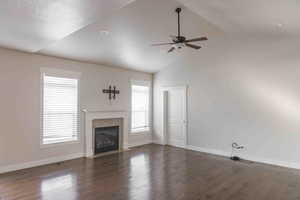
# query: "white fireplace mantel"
93 115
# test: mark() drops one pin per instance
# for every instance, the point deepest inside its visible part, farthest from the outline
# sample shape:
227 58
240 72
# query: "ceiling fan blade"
160 44
192 46
172 49
197 39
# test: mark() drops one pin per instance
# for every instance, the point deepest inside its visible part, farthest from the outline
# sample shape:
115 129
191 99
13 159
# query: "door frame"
164 99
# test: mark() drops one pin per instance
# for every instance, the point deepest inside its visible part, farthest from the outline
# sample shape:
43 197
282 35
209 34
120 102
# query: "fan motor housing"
179 39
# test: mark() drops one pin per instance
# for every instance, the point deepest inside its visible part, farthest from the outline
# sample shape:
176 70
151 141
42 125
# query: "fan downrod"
179 37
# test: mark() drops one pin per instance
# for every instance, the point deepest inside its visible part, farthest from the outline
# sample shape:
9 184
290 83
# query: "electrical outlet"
237 146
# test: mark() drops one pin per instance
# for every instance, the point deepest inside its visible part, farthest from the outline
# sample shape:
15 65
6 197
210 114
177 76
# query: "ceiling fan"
180 41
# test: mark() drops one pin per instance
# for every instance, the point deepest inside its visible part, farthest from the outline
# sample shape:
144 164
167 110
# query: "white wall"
20 103
243 90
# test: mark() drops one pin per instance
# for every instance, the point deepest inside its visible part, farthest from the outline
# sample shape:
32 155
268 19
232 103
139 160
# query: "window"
140 107
60 116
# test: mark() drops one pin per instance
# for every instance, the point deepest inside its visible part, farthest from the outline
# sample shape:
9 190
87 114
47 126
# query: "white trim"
207 150
61 143
165 116
27 165
158 142
37 163
164 96
147 83
140 130
89 131
293 165
140 143
138 139
66 74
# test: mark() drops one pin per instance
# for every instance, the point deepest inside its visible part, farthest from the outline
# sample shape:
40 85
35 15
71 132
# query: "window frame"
149 128
60 74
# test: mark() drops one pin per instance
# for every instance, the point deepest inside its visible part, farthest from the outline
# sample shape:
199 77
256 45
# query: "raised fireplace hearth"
106 139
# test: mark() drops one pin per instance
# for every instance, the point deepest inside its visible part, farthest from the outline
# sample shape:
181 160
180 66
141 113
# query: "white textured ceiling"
271 18
132 31
32 25
71 28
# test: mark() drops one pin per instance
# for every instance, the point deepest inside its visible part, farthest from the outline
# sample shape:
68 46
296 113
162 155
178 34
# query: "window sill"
140 131
59 143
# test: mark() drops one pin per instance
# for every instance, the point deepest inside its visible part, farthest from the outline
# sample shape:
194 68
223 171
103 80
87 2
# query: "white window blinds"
60 109
140 108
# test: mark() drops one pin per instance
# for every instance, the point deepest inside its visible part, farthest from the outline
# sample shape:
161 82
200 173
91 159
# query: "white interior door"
175 116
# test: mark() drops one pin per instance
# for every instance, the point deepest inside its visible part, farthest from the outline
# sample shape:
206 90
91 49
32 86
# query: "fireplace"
106 139
102 119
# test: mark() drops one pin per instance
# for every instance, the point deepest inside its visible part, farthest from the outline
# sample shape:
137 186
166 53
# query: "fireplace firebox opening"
106 139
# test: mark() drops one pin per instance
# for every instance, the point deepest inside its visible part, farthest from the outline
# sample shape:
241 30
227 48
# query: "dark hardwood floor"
152 172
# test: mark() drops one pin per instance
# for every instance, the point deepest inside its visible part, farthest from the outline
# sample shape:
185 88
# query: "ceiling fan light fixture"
179 45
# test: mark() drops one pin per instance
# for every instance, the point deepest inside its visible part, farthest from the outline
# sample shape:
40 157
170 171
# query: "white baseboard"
158 142
139 143
16 167
293 165
37 163
210 151
10 168
247 157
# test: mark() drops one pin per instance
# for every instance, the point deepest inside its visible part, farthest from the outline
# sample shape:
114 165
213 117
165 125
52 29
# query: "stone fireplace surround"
95 119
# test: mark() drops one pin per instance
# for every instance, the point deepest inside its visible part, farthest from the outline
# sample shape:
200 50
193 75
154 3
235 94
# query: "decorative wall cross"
111 92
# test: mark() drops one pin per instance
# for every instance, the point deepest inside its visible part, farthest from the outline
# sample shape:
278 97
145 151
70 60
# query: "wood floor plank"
152 172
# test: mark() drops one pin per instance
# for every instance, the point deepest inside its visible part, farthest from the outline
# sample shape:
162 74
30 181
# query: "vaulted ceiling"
33 25
271 18
119 33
